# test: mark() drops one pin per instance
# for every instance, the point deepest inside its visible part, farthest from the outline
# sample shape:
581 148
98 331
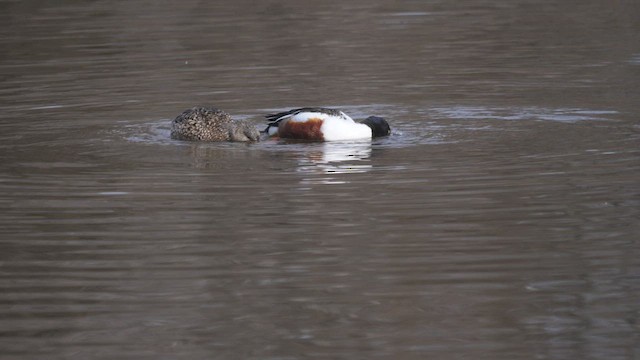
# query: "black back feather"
276 117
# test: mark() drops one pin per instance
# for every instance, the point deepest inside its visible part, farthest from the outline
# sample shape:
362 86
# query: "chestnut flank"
308 130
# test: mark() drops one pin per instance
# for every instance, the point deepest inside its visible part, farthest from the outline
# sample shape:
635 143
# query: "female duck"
323 124
211 124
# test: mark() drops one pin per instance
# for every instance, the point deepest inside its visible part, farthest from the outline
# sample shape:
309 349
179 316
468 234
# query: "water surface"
500 220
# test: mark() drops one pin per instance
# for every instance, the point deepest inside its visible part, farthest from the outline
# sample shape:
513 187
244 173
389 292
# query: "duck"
205 123
324 124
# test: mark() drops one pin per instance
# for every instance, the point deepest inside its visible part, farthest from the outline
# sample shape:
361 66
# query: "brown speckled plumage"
211 124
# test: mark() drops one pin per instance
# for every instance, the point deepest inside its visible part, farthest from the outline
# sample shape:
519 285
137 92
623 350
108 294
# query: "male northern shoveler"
322 124
211 124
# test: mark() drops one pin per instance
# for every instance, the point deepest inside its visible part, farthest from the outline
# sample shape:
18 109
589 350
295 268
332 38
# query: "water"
500 220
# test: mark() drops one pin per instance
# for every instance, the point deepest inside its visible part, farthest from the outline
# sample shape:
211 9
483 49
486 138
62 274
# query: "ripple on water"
405 131
154 132
410 127
522 114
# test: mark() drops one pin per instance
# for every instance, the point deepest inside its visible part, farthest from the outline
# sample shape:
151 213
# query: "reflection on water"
335 158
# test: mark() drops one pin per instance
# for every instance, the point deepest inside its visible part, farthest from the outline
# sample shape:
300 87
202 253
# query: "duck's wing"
274 118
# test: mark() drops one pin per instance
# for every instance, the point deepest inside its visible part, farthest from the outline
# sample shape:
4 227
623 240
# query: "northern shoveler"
211 124
323 124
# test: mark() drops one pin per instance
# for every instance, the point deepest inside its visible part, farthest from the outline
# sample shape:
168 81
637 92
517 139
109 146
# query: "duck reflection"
334 158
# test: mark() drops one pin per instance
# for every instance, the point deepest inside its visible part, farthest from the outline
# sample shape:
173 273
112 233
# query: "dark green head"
379 126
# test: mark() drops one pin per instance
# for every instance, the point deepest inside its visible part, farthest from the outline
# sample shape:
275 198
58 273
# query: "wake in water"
410 126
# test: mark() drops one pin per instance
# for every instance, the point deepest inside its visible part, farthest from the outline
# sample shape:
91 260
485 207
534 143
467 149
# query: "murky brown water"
501 220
